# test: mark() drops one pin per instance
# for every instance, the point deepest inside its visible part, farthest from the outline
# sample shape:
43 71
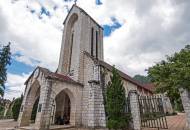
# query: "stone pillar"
44 107
185 97
96 113
135 110
91 106
167 104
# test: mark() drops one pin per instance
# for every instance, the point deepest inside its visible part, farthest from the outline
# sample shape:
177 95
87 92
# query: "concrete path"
177 122
8 124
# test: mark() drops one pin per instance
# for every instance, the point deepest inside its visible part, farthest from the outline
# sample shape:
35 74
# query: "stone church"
76 89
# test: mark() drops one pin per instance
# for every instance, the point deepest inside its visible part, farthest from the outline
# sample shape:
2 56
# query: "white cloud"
150 30
15 85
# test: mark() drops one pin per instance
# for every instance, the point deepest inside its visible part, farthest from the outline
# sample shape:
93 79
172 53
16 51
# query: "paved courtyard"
8 124
177 122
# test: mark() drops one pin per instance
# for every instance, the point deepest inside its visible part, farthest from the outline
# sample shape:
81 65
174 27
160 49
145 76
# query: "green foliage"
115 102
142 79
2 110
171 74
5 57
16 107
118 123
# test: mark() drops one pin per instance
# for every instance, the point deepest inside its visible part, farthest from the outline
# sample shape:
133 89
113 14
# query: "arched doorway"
63 109
28 110
34 111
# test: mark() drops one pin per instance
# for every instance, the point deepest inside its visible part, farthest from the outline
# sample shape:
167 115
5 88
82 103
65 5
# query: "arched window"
71 49
92 41
69 41
96 44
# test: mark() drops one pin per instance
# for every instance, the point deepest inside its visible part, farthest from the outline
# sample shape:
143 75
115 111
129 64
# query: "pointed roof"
74 5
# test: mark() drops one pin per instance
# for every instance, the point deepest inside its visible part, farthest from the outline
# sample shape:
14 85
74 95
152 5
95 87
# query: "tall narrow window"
96 44
92 41
71 48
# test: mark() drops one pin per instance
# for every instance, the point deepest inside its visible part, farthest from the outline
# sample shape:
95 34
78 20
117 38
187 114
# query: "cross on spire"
75 2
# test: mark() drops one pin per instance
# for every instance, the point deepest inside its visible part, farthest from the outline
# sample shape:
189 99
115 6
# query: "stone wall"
93 114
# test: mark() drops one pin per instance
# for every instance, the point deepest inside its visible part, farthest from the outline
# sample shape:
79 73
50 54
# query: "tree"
5 57
16 107
173 73
115 102
142 79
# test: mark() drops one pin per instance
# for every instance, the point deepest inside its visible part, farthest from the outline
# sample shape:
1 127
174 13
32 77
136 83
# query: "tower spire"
75 2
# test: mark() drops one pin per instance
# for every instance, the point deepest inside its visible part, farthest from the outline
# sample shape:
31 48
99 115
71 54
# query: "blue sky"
136 34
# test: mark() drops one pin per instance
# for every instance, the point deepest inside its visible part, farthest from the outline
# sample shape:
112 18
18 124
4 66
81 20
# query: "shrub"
115 103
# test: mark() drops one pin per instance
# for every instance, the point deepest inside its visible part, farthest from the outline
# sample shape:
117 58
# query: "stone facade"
81 76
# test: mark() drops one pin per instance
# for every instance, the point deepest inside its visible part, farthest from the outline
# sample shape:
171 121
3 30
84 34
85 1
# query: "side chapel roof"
122 74
150 86
55 76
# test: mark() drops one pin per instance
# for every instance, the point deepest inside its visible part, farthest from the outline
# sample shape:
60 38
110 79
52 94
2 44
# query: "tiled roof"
62 78
56 76
150 86
123 75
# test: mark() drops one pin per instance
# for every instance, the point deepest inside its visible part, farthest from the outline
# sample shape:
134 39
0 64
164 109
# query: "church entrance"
34 111
63 109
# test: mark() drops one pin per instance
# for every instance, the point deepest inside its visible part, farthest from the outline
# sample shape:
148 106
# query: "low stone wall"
135 111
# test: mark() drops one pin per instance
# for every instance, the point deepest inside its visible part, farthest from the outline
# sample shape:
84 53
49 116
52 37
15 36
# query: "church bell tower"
81 34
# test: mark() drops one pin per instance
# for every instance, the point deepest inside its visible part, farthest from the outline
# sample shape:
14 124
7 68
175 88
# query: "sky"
137 33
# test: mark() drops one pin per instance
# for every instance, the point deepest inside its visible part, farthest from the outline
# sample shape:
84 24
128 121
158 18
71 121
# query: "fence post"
185 97
135 110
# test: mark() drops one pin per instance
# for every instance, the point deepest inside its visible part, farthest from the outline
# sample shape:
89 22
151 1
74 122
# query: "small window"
71 49
96 44
40 108
92 41
21 108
